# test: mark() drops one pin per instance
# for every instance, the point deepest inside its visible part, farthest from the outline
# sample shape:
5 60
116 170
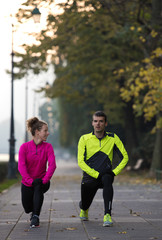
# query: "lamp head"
36 15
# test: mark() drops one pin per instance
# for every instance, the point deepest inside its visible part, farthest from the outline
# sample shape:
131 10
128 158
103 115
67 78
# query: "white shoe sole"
107 224
33 226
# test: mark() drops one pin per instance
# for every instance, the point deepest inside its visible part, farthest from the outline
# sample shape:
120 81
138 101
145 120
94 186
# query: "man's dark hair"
100 114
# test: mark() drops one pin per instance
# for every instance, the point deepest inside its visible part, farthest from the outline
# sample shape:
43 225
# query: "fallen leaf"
124 232
135 214
71 229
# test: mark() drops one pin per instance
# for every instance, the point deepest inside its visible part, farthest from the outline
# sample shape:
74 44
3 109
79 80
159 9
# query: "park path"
137 211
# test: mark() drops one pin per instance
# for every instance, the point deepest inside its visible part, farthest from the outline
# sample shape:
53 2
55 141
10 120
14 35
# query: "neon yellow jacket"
89 144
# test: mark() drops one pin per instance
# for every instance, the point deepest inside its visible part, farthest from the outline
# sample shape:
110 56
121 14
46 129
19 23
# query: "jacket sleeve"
122 153
51 164
22 166
81 156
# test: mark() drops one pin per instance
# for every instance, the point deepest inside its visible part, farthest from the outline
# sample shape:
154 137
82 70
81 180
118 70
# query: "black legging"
88 191
32 197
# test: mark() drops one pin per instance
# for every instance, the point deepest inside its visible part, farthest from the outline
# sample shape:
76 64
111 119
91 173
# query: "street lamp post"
12 163
36 16
26 109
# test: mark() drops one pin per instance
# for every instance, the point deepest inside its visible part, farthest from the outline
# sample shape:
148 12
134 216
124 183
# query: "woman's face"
43 133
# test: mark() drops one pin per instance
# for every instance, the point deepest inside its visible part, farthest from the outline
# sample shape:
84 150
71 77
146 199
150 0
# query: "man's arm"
122 153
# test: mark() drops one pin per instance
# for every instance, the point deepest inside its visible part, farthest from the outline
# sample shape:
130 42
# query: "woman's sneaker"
107 222
84 215
34 221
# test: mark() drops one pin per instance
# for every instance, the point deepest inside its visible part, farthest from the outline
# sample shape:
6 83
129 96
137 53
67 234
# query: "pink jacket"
32 162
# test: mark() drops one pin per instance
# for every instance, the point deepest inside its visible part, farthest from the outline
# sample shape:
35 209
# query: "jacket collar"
35 143
105 134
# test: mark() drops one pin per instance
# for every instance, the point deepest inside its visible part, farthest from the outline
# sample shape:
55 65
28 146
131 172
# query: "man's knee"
107 179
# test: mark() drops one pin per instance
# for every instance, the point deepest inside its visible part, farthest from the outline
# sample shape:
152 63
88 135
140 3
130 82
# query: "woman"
32 165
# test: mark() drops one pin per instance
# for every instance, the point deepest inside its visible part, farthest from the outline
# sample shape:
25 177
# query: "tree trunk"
130 134
157 153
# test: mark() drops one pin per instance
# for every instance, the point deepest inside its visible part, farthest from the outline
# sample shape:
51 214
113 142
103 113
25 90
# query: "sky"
34 82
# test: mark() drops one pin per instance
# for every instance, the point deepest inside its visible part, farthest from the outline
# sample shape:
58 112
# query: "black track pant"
88 191
32 197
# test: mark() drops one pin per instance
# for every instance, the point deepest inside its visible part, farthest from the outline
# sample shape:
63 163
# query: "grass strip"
7 183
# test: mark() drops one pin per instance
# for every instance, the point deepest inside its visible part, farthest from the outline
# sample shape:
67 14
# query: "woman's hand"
36 182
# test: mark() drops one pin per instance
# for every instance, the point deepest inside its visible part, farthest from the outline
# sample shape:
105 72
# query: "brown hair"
100 114
34 124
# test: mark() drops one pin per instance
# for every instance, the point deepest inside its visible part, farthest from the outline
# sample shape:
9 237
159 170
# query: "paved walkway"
137 212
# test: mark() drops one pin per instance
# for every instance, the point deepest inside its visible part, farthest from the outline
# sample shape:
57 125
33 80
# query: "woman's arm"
22 166
51 164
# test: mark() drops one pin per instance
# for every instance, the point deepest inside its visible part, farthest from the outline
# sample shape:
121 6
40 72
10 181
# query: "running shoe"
34 221
84 215
107 222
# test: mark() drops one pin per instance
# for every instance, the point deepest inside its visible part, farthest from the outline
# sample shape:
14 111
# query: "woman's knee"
28 210
45 187
28 206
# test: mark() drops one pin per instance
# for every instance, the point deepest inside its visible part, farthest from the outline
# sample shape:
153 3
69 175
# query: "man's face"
99 124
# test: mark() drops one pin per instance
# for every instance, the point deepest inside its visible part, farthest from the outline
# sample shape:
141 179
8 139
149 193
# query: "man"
95 156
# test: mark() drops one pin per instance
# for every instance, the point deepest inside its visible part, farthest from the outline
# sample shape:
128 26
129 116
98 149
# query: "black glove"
36 182
111 173
106 171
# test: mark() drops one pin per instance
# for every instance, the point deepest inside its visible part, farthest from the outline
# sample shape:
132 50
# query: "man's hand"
36 182
106 171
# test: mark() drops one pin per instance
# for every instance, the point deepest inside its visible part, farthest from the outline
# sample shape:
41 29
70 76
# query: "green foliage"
96 47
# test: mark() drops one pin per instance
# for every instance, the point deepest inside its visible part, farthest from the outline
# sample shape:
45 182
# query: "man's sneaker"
34 221
84 215
107 222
